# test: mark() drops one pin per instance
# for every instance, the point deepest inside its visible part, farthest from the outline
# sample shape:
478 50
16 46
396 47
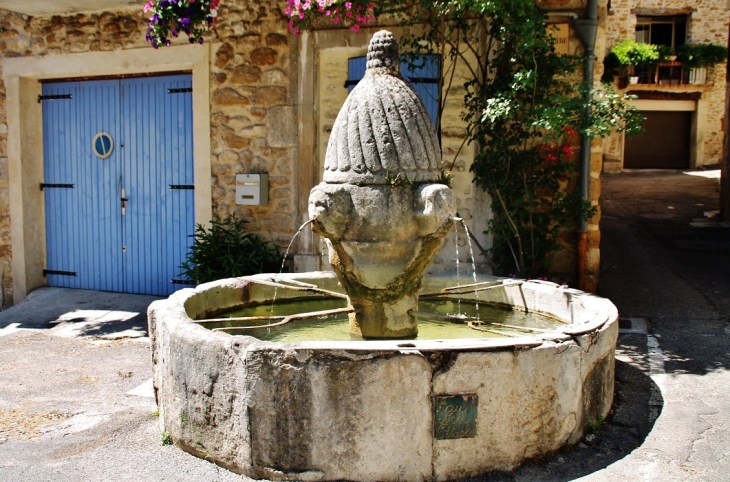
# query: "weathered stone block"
236 142
246 74
270 95
223 55
276 40
264 56
281 127
230 97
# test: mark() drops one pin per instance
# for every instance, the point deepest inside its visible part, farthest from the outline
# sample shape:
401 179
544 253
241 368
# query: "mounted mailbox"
252 189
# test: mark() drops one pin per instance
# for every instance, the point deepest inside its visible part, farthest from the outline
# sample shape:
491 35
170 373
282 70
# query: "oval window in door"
103 144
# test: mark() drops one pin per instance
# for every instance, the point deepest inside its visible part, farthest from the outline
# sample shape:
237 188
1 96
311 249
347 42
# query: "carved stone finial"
383 131
383 55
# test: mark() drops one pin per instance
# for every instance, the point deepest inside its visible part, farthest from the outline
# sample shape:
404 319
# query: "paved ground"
76 403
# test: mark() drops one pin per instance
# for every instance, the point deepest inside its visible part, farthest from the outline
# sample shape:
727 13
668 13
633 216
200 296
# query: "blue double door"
118 183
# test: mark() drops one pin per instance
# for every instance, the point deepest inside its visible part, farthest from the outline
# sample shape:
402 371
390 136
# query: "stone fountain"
380 206
383 408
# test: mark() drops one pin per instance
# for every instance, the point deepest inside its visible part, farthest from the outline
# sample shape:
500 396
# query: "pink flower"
148 7
355 28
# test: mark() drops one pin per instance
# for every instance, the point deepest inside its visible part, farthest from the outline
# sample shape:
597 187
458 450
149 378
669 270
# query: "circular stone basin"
381 410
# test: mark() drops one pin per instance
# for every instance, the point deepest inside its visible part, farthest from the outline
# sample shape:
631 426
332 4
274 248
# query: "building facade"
684 108
254 99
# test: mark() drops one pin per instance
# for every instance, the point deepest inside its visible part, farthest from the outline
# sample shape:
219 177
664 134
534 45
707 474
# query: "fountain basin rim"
596 320
345 385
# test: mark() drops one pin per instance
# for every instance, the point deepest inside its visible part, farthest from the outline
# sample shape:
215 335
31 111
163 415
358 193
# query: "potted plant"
169 18
628 56
697 57
701 55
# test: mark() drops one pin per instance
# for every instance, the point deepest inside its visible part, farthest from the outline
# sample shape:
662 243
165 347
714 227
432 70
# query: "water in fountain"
434 322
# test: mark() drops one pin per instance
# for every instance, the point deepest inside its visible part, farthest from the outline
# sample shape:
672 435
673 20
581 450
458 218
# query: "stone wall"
708 19
14 41
253 115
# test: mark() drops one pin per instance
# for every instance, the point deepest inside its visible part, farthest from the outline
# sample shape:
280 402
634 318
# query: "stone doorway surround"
22 78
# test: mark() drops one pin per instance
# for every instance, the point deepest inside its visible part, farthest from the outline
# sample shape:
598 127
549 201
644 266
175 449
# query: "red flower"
567 150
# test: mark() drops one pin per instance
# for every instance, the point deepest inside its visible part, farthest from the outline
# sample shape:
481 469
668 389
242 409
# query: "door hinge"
180 91
45 185
41 98
46 272
182 186
182 282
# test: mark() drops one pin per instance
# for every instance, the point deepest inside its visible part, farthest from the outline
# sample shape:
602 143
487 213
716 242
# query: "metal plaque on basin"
455 416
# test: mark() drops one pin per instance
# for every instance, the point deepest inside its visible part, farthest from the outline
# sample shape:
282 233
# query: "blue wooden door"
421 71
158 176
118 176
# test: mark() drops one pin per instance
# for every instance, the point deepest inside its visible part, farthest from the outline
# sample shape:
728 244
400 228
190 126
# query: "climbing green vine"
524 108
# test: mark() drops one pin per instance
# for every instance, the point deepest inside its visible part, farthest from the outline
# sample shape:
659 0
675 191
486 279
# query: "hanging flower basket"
171 17
352 13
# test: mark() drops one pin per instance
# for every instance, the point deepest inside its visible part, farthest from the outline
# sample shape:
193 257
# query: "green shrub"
226 250
630 52
701 55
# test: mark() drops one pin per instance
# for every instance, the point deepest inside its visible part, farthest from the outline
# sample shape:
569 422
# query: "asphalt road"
76 402
665 263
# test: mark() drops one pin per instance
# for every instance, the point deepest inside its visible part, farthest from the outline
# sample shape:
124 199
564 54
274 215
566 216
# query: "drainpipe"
586 28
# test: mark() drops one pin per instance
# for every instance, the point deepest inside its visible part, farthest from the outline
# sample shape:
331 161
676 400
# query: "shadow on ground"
79 313
665 257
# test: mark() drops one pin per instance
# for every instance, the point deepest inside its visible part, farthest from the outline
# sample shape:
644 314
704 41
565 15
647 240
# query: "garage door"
663 143
118 183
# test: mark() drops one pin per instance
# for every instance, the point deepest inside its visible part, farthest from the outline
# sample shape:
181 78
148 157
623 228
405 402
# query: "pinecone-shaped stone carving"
383 130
